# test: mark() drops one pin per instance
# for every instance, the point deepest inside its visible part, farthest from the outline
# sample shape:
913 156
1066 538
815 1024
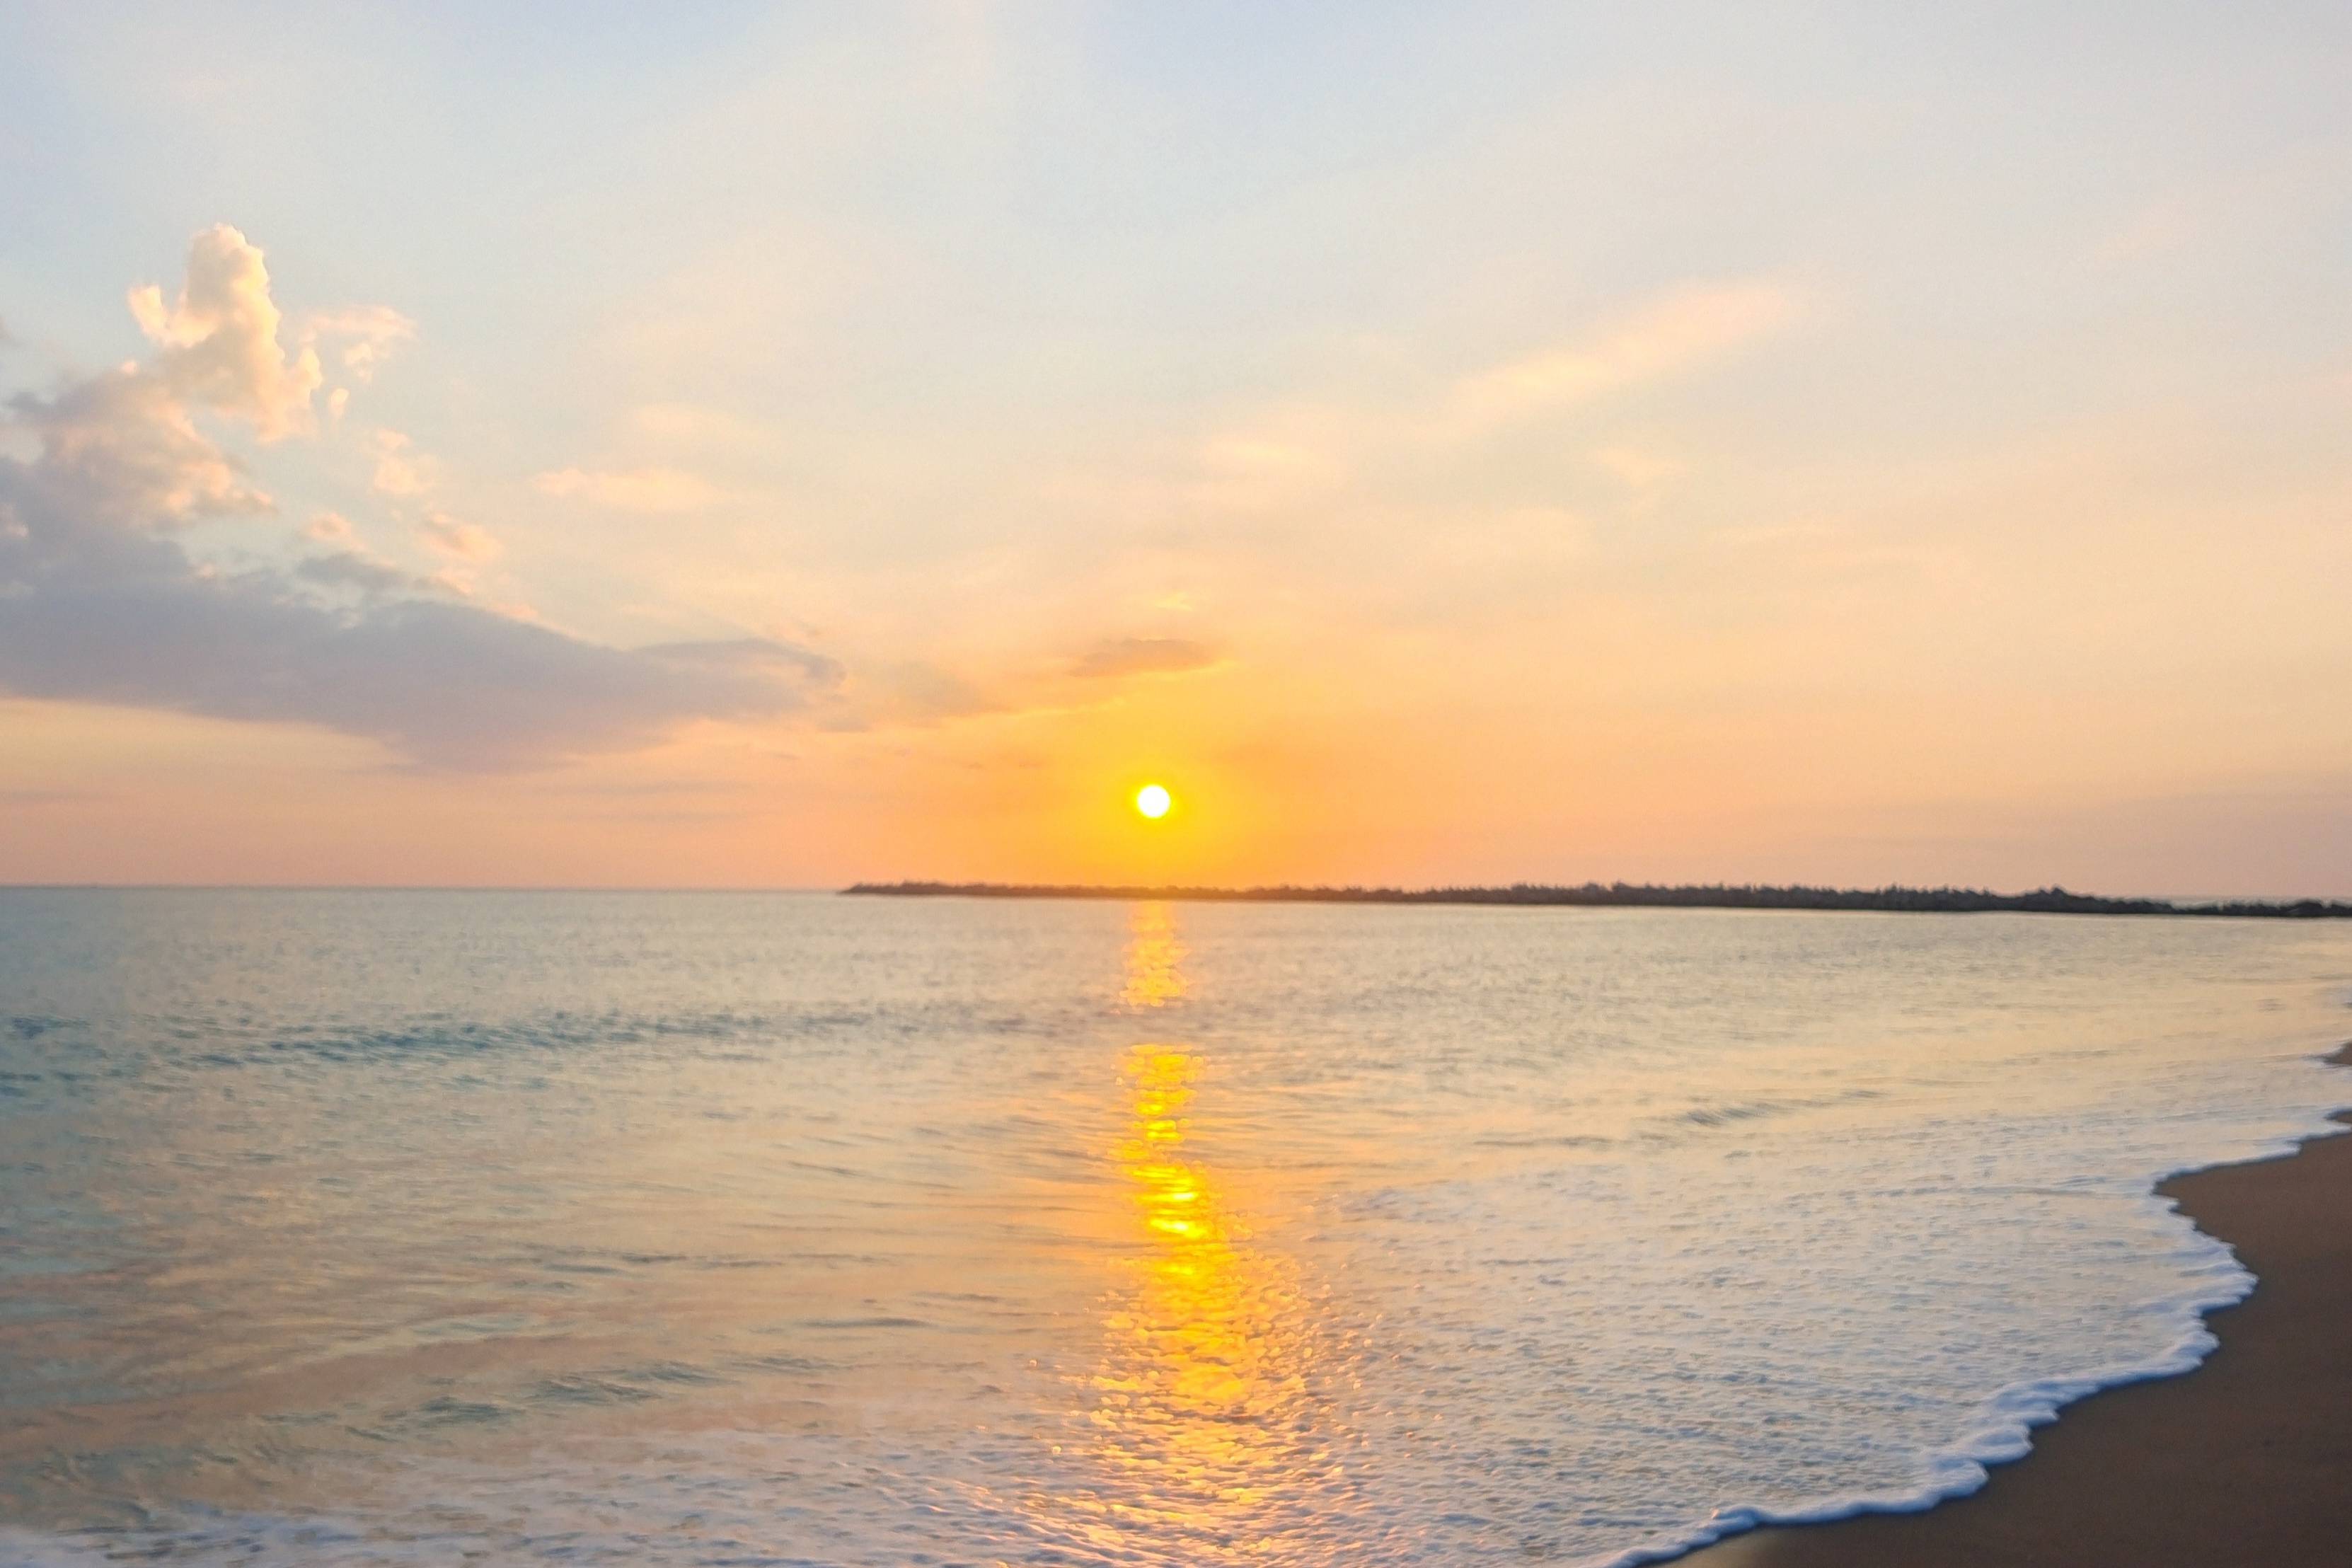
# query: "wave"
2004 1435
1723 1115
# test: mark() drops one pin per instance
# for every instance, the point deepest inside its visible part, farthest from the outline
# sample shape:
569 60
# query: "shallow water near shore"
700 1228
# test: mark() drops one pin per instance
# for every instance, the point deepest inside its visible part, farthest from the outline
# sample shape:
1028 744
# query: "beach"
2248 1459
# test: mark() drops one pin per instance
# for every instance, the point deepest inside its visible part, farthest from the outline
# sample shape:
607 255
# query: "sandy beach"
2247 1460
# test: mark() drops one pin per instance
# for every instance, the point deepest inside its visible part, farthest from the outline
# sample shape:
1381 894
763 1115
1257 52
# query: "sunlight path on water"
1216 1440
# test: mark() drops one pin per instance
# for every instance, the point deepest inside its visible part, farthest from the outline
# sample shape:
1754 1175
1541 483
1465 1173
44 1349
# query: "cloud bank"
101 603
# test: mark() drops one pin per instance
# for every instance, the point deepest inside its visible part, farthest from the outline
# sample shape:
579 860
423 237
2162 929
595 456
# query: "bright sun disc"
1153 801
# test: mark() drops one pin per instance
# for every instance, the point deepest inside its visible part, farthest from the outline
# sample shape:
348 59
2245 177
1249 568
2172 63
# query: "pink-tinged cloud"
634 489
454 537
400 469
98 603
218 341
1670 334
365 336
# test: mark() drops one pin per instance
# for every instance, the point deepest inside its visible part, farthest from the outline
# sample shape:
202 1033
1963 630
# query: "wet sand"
2246 1461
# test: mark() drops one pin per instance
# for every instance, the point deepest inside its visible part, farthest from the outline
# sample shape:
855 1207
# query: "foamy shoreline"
2093 1464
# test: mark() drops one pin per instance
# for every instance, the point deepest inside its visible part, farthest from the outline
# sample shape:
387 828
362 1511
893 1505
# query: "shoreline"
1894 899
2244 1458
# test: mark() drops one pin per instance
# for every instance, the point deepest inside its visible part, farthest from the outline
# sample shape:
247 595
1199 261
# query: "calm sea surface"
361 1228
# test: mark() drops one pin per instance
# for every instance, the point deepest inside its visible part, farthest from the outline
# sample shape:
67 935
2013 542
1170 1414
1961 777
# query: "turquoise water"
397 1228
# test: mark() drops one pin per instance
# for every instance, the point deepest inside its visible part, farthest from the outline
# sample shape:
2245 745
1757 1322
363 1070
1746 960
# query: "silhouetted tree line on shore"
1640 895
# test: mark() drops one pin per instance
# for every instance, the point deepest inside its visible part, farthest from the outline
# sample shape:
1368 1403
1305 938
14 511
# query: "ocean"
409 1227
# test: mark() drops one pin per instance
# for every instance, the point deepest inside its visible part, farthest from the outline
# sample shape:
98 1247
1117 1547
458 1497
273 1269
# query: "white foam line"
2004 1436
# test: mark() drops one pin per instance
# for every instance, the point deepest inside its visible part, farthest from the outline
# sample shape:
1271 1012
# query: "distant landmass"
1643 895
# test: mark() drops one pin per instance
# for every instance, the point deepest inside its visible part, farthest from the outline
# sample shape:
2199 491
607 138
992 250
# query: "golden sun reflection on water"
1154 959
1211 1427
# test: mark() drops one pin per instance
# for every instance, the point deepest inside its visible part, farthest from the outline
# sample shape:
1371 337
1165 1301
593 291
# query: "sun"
1153 800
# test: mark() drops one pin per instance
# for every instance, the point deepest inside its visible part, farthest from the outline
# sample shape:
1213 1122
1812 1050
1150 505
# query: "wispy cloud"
14 798
1668 336
634 489
1632 467
368 335
1144 655
701 427
922 694
1290 462
400 469
1306 454
455 537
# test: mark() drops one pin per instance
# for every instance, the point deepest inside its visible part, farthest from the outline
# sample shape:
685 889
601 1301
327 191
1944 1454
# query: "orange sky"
781 452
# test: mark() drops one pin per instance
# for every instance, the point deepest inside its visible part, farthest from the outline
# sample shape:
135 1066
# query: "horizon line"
1432 892
1894 898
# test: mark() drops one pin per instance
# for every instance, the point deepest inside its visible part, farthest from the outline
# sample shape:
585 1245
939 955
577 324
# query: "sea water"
668 1229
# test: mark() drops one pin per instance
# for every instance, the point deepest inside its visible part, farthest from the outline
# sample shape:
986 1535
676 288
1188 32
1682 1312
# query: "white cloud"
219 339
122 444
97 605
368 334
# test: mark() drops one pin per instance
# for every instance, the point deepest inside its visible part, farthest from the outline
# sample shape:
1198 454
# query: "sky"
784 445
